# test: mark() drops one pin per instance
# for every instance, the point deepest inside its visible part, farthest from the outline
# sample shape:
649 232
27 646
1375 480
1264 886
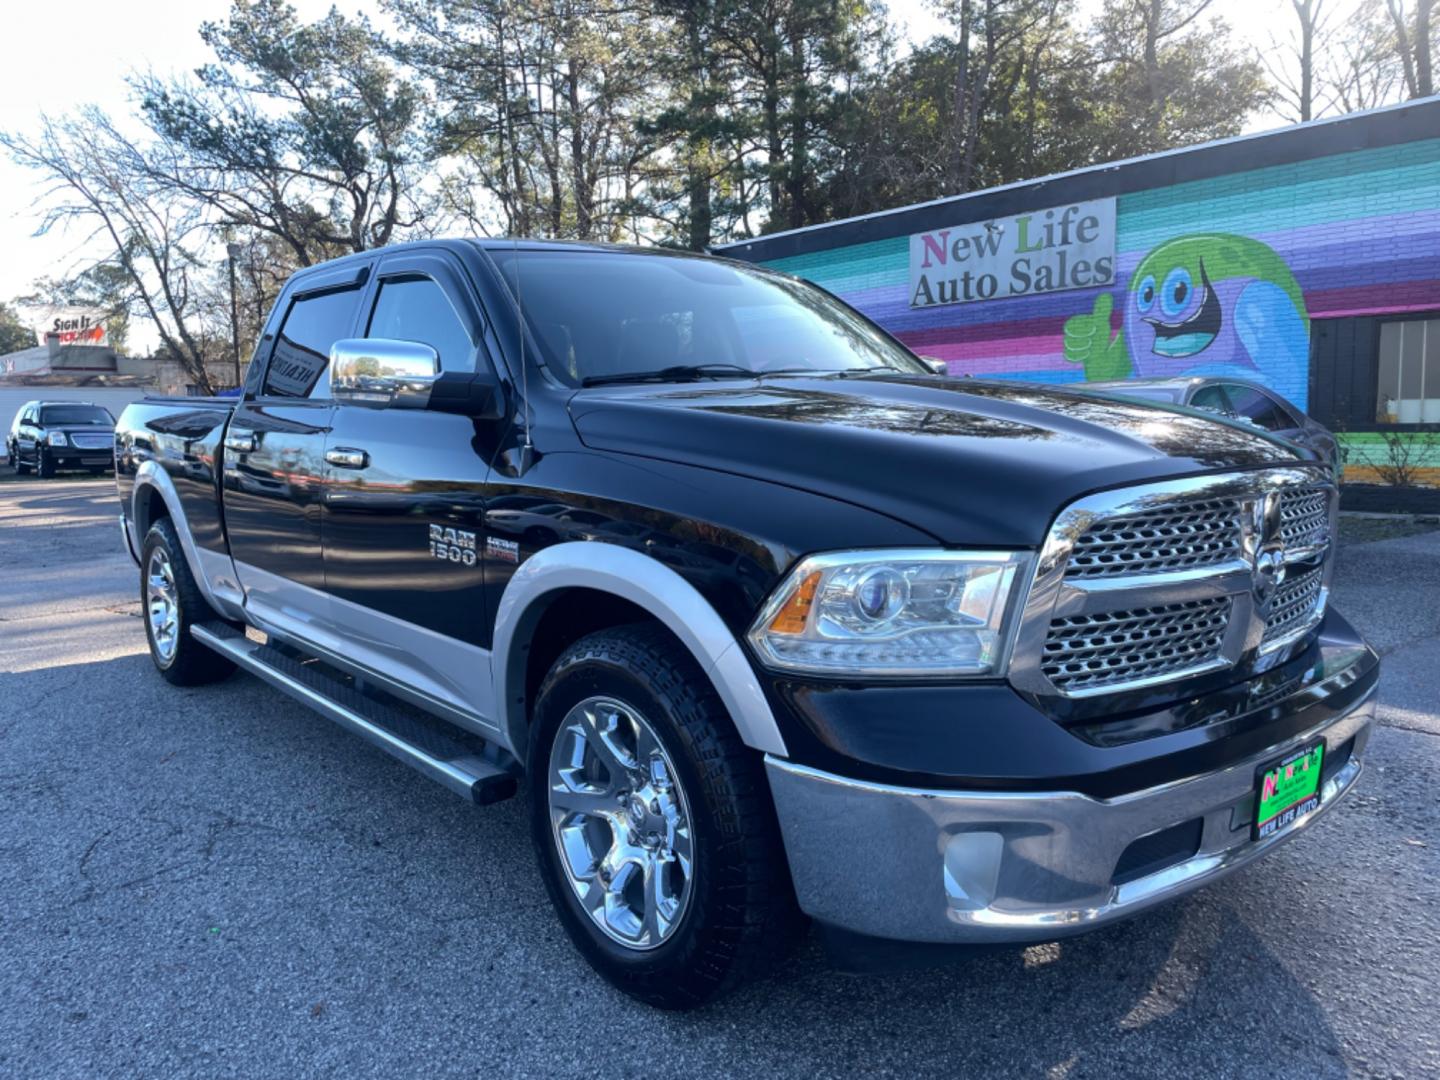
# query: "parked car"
47 436
1236 399
819 633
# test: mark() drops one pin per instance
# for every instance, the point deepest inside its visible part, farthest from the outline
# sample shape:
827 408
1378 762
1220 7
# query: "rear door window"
1211 399
300 363
1260 409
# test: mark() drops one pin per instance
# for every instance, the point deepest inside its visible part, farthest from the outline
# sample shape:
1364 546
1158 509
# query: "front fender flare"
650 585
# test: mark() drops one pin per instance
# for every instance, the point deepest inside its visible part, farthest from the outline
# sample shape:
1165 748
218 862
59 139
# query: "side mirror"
935 364
383 373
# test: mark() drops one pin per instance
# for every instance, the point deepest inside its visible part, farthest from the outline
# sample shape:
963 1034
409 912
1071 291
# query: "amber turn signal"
794 613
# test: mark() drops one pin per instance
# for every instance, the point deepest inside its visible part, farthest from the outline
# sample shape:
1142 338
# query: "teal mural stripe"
862 266
1345 188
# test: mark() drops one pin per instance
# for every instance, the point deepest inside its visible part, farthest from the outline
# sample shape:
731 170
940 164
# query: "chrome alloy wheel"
162 606
621 822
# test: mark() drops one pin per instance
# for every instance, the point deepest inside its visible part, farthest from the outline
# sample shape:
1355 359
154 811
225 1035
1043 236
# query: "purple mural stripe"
1365 237
1378 271
966 333
1407 296
993 316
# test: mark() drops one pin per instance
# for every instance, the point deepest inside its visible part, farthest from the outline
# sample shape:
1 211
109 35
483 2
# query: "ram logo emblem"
452 545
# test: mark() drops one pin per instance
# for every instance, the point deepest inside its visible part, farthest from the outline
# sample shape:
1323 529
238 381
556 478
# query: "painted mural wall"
1221 275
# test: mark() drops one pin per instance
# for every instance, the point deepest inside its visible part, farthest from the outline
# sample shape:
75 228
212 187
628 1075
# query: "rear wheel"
172 603
652 820
15 463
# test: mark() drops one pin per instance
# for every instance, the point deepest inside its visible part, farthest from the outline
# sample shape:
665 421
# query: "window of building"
1408 390
300 364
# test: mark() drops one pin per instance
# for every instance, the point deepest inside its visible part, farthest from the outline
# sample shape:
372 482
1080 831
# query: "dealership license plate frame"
1271 821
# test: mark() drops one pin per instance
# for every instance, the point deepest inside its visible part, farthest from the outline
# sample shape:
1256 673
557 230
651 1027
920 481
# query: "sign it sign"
1039 251
72 326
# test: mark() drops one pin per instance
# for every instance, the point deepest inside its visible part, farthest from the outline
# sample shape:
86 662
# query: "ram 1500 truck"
768 619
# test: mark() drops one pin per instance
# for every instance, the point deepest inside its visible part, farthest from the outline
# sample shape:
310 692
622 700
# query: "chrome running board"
459 765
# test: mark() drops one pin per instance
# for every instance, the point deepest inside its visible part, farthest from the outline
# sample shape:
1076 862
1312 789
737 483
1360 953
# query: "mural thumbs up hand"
1088 342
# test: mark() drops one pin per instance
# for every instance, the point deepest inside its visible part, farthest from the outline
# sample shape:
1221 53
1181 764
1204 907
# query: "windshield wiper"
674 373
847 373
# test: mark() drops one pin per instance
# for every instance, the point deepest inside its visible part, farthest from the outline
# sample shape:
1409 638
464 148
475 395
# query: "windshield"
75 414
602 316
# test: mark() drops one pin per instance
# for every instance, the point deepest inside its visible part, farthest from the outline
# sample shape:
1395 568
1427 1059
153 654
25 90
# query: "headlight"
888 613
56 438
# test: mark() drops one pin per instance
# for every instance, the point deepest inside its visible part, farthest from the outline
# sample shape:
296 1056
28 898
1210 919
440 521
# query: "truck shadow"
296 839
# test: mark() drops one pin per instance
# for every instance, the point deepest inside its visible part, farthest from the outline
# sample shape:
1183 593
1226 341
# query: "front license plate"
1288 790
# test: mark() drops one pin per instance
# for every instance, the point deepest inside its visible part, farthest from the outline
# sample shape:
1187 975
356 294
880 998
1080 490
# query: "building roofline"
1389 125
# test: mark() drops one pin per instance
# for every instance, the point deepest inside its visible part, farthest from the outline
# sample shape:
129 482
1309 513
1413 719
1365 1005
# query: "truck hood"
970 462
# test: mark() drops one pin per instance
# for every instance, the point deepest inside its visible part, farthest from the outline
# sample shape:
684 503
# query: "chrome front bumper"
950 866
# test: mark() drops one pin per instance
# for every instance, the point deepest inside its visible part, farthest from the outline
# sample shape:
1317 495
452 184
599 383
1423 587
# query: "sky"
74 52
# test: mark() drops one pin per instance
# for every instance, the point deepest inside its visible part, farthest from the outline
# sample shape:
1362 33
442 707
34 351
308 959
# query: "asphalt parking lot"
216 881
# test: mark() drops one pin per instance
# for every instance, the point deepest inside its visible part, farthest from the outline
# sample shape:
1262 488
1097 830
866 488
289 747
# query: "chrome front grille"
1178 536
92 441
1295 606
1305 516
1086 652
1153 584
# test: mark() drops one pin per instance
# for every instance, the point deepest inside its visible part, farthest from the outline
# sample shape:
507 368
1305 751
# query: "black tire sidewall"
677 956
193 663
162 538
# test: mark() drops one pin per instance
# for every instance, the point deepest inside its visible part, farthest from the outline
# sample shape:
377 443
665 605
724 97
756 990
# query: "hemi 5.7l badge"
452 545
502 550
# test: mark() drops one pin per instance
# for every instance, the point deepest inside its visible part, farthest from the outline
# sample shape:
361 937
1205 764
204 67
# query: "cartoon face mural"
1207 304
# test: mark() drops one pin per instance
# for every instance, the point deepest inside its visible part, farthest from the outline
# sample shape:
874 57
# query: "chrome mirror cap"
935 364
383 373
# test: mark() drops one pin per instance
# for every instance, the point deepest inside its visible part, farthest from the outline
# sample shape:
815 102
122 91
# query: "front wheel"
656 837
172 604
45 466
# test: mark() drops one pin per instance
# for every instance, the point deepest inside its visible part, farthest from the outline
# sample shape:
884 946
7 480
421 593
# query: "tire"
44 467
170 604
21 469
734 912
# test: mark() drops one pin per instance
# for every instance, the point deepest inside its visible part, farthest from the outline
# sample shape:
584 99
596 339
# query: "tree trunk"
584 194
799 166
960 124
1424 76
1306 10
774 143
697 150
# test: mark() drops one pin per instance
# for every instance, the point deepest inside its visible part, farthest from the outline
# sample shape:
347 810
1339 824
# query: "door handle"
347 457
241 440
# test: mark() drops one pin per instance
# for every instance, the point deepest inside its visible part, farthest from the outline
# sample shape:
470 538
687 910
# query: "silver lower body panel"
944 866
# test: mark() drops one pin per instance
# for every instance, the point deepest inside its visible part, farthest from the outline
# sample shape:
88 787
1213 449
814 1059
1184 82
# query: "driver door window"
417 309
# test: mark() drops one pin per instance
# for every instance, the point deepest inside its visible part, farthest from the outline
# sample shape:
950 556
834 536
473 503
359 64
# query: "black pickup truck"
769 620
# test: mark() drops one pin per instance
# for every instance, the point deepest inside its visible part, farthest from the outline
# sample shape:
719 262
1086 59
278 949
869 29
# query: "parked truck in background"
769 621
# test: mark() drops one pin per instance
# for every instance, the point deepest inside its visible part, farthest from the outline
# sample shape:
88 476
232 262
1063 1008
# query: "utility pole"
232 251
